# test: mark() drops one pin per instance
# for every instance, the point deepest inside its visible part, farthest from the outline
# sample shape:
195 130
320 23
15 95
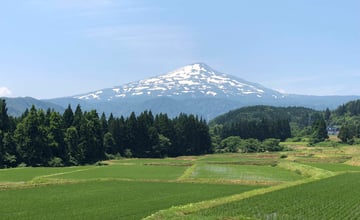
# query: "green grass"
244 172
106 199
329 159
335 167
293 144
240 158
332 198
130 171
166 161
218 186
28 173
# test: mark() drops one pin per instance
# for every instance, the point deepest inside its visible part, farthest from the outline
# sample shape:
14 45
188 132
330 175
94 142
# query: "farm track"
43 180
62 173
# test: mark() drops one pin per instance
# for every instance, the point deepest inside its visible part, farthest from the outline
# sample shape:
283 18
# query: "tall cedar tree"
320 132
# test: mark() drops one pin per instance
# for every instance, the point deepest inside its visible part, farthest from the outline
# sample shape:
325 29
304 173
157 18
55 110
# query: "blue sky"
55 48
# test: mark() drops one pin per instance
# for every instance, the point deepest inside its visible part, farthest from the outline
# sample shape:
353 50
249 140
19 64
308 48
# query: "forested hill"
17 106
344 114
263 122
296 115
347 117
349 109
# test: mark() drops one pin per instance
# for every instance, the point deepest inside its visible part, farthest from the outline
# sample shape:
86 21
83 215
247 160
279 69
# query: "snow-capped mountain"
194 89
191 81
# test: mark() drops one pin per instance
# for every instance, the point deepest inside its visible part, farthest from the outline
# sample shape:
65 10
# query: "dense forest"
50 138
262 124
260 130
40 138
347 117
299 115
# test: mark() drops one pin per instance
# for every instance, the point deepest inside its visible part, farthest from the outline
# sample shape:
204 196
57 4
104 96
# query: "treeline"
249 135
235 144
39 138
350 132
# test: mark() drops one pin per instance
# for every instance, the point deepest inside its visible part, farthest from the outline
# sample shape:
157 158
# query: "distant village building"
333 130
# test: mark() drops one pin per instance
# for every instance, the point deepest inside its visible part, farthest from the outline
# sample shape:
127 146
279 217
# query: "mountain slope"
17 106
192 81
196 89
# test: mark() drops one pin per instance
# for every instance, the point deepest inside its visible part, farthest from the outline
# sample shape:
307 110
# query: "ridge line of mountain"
195 89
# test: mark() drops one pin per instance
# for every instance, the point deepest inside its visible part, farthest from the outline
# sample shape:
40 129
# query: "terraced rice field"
332 198
222 186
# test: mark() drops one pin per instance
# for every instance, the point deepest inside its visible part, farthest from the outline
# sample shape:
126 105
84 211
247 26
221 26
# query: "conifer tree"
68 117
31 139
103 124
55 137
4 117
78 115
347 134
327 114
75 152
319 130
109 144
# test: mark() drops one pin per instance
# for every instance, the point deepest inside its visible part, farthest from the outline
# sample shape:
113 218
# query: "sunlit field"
219 186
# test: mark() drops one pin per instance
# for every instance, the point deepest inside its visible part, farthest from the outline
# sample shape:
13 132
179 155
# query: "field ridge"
187 173
39 178
217 186
312 173
306 170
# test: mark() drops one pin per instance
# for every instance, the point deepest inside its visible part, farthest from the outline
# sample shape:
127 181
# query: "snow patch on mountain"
195 81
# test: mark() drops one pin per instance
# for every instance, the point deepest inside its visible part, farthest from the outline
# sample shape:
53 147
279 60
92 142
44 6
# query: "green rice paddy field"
307 183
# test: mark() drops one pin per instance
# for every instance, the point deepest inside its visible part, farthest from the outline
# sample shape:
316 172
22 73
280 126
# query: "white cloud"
4 91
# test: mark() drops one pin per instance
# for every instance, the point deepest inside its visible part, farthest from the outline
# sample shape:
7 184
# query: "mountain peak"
199 67
190 70
197 80
195 68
